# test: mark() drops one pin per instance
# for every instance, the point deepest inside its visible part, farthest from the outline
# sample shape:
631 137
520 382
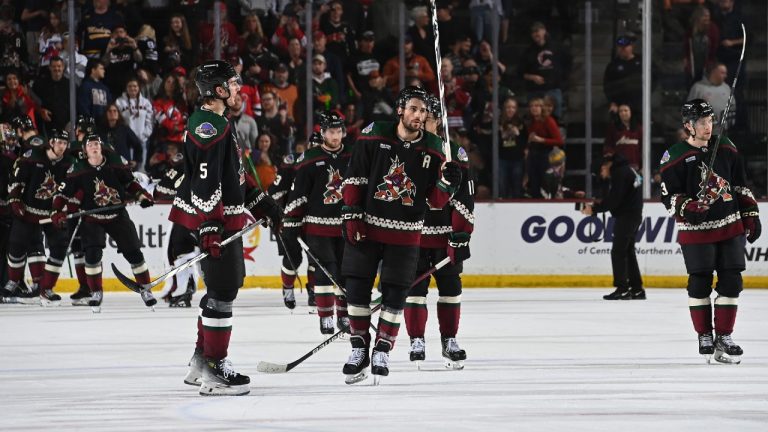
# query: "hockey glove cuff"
209 235
353 224
752 226
261 206
694 211
17 208
450 175
292 226
458 247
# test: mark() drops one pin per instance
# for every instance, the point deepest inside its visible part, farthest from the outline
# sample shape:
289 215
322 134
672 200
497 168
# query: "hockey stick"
275 368
69 246
440 85
86 213
716 144
139 288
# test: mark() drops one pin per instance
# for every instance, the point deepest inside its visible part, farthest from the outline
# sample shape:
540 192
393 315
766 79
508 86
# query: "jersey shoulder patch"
27 154
206 130
204 126
36 141
289 159
461 155
367 129
674 152
301 158
177 158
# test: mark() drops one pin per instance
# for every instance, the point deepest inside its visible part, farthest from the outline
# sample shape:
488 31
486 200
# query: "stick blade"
271 368
128 282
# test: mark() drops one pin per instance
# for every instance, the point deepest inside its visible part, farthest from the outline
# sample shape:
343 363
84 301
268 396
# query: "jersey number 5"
204 170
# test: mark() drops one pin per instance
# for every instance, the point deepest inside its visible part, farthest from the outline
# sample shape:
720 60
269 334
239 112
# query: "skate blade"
312 310
418 364
214 389
96 309
724 358
81 302
9 300
377 379
708 358
356 378
30 300
193 378
50 303
454 364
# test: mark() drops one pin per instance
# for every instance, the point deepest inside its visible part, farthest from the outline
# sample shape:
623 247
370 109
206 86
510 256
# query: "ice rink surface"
538 360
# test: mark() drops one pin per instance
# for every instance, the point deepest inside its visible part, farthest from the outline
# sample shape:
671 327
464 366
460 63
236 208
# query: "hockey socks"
288 277
325 298
725 314
416 314
448 315
36 264
141 273
80 270
701 314
359 321
16 267
217 328
389 326
93 276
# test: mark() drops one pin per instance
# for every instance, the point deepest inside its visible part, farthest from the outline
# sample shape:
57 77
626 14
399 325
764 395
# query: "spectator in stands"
81 61
178 46
95 29
481 13
378 101
287 29
543 137
265 10
137 112
53 90
16 100
149 82
245 125
325 92
162 159
542 67
353 122
49 41
415 66
120 137
361 64
257 60
341 36
170 111
287 92
146 41
121 57
713 89
623 78
296 66
449 27
456 101
470 76
13 52
230 39
700 44
421 34
34 17
263 157
484 58
624 136
274 121
249 91
93 95
334 63
251 25
512 150
460 51
728 20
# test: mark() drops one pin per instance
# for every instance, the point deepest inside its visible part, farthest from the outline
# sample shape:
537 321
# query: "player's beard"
410 127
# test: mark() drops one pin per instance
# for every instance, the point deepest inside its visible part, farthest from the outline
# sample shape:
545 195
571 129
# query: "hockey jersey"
393 180
171 180
278 190
7 159
89 187
213 187
684 175
458 215
34 182
315 197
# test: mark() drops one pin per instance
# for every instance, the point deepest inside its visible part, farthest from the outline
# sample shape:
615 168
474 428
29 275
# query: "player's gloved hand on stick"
209 235
458 247
753 227
261 206
58 218
695 211
450 174
145 200
353 225
291 228
17 207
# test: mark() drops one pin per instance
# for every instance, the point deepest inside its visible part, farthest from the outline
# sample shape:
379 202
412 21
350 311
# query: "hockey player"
35 179
25 130
7 159
314 205
395 170
446 233
104 179
714 211
212 201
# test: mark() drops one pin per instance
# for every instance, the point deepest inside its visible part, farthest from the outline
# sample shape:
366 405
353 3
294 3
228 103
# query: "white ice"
538 360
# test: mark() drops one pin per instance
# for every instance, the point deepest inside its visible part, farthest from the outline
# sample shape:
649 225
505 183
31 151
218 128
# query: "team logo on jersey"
396 185
332 193
665 158
367 128
104 195
462 155
205 130
288 159
36 141
47 187
713 186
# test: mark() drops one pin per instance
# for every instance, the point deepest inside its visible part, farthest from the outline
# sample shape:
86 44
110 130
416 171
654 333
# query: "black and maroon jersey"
278 190
684 176
171 180
89 187
392 181
315 198
458 215
213 187
7 159
34 182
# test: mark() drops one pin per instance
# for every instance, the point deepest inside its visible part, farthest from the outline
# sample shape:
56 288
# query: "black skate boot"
326 325
81 297
417 351
342 323
311 303
95 301
637 294
356 367
31 296
706 346
184 300
726 350
149 300
219 379
453 356
49 298
380 361
621 293
288 298
195 374
8 294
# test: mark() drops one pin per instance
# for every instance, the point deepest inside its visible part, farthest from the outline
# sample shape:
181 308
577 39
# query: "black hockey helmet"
93 137
330 120
695 109
409 93
61 134
434 107
86 123
22 122
212 74
315 139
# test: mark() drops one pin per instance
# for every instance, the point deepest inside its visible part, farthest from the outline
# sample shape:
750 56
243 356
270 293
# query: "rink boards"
514 244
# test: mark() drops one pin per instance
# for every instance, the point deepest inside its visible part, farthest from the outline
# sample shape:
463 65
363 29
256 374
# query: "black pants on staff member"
626 271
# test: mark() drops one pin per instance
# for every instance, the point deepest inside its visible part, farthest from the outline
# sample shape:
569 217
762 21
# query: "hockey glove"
145 200
292 227
262 205
17 207
695 211
752 227
458 247
450 174
353 225
58 218
209 235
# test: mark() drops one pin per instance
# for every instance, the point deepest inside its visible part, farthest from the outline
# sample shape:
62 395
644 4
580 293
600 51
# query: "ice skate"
417 351
183 300
453 356
195 373
311 303
288 298
706 346
621 293
81 297
326 325
8 293
356 367
342 323
31 296
380 361
219 379
49 298
149 300
726 351
95 301
637 294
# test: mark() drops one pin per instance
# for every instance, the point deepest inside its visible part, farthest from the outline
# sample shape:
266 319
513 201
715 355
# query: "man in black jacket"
625 202
53 91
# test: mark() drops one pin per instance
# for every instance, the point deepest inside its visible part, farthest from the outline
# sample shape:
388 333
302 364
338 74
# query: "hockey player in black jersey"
104 179
313 207
714 212
396 170
7 159
212 201
28 135
446 233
